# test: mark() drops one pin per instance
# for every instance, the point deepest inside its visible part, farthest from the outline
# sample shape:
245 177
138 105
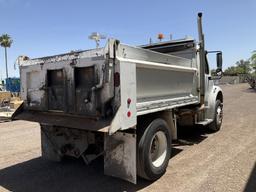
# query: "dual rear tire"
154 144
153 149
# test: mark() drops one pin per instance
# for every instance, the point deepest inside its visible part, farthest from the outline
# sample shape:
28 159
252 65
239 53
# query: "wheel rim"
158 149
219 115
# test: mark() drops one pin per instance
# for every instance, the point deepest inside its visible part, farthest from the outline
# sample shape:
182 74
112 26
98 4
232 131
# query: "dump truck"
121 102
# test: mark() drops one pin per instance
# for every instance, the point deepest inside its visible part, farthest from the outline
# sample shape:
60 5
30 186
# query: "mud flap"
120 156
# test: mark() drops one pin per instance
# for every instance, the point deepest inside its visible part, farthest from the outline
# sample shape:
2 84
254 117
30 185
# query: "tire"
154 149
218 116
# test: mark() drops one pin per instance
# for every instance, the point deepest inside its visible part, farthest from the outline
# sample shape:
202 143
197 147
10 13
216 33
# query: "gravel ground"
201 162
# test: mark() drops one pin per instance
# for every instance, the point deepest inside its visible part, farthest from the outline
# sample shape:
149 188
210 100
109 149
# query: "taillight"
129 114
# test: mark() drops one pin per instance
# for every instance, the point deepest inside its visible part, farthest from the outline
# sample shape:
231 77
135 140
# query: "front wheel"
154 150
218 116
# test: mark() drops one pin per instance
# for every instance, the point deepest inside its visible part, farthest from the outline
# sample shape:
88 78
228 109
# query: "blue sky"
41 28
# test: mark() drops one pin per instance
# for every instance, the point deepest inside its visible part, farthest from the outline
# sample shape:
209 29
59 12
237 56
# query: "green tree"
253 62
231 71
6 42
243 67
253 57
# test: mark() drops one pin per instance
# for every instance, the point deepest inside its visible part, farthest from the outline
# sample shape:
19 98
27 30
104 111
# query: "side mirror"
219 60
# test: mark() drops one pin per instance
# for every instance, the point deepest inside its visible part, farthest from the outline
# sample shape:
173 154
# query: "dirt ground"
201 162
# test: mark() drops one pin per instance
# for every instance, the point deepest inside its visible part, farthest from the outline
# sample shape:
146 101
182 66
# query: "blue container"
13 84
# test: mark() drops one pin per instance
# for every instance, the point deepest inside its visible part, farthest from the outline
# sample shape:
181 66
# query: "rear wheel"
154 150
218 116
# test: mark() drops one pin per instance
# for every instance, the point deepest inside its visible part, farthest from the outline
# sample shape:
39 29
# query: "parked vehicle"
122 102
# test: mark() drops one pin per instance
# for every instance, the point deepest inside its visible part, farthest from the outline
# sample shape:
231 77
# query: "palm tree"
6 41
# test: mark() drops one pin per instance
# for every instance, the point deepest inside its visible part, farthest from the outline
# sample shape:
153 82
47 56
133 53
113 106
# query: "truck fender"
215 94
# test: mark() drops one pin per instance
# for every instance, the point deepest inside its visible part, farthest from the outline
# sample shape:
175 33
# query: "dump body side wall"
152 81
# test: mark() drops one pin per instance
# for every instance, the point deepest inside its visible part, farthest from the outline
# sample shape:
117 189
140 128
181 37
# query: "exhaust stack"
202 58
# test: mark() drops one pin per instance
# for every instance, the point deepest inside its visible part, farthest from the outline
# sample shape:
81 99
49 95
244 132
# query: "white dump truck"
123 102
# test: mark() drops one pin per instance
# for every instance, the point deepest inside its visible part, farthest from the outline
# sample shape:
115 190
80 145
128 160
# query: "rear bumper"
62 120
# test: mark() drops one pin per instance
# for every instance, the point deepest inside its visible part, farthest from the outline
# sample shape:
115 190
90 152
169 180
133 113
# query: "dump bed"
107 88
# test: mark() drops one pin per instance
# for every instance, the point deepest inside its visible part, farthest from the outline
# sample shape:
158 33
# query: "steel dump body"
77 89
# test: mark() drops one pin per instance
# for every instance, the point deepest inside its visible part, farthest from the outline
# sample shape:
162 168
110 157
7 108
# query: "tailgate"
71 84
